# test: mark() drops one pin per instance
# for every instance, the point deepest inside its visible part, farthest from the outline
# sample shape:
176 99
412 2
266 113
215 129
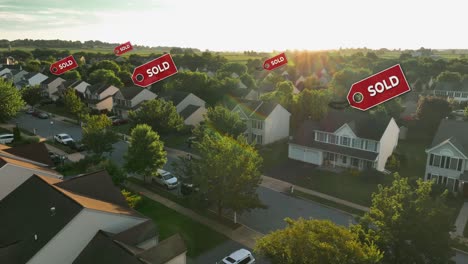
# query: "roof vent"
52 211
35 237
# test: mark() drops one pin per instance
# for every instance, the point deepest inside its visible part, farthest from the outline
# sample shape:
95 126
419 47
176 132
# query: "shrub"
354 172
133 200
16 134
393 163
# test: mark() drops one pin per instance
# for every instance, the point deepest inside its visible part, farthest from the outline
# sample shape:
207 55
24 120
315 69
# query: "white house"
346 139
100 96
130 98
447 157
50 87
459 96
84 219
188 105
266 122
80 87
35 78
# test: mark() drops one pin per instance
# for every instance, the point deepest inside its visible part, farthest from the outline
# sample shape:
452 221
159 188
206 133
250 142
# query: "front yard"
198 238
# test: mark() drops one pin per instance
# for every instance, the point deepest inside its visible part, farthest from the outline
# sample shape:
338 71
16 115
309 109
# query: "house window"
355 162
457 94
436 160
257 124
357 143
464 95
460 163
371 145
447 162
345 141
453 163
333 139
431 159
343 158
258 139
322 137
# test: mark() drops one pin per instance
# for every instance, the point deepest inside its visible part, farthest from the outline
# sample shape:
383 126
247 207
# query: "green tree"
394 107
71 75
311 82
10 100
227 172
97 135
466 112
32 95
231 67
283 94
105 76
132 199
224 121
73 104
431 110
145 153
248 80
310 103
125 77
447 76
106 65
410 224
33 66
161 115
343 79
316 242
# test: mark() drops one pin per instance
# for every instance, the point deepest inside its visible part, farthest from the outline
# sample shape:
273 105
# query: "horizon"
262 26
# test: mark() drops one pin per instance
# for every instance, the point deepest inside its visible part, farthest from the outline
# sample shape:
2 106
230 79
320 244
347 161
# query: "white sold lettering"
379 87
157 69
276 61
65 64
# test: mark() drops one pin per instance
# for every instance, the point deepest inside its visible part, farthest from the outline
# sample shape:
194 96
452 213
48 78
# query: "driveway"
221 251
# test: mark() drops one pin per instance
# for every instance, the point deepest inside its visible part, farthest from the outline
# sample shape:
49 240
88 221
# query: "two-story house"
100 96
266 122
50 87
447 157
189 106
35 78
346 139
130 98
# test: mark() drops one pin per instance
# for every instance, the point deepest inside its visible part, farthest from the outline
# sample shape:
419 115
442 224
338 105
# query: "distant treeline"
68 44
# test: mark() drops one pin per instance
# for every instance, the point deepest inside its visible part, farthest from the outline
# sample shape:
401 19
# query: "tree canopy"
73 103
161 115
32 95
10 100
432 109
97 135
105 76
224 121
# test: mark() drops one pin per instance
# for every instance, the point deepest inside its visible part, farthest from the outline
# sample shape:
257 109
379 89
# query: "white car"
6 138
241 256
166 179
459 112
63 139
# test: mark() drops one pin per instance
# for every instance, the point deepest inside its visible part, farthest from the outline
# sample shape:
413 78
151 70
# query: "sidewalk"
461 220
242 235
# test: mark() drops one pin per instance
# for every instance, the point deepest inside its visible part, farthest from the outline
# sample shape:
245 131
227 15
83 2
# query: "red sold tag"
378 88
154 71
121 49
275 62
63 65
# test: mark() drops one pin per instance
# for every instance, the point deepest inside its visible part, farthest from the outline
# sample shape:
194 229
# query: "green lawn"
60 146
273 154
58 110
329 203
413 163
198 238
175 140
123 129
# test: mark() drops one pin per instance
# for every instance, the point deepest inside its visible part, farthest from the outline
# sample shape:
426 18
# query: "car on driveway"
41 115
241 256
64 139
118 121
6 138
78 146
166 179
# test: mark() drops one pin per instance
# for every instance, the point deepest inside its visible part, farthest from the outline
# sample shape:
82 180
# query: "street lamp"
51 129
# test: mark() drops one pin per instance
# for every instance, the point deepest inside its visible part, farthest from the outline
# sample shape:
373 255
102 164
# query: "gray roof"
454 131
70 83
165 250
305 137
130 92
188 111
257 109
34 151
137 234
29 75
98 87
26 212
175 96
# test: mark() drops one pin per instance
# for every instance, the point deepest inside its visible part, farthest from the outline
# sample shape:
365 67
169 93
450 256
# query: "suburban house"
130 98
6 69
35 78
188 105
15 170
80 88
266 122
17 75
65 85
447 157
455 91
99 96
348 138
36 153
84 219
50 87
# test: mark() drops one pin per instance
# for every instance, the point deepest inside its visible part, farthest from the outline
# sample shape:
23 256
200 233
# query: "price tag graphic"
124 48
275 62
63 65
154 71
378 88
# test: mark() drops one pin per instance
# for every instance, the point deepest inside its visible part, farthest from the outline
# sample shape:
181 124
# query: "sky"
240 25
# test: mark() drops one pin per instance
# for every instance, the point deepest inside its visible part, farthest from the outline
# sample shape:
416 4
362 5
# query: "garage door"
312 156
296 153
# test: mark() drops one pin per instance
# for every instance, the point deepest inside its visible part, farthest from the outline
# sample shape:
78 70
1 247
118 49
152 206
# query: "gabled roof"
130 92
98 88
29 75
137 234
454 131
50 80
175 96
97 185
26 213
256 109
165 250
24 164
34 151
188 111
70 83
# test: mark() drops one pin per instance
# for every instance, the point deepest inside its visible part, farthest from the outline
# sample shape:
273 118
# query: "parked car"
56 158
64 139
78 146
6 138
166 179
117 121
41 115
459 112
241 256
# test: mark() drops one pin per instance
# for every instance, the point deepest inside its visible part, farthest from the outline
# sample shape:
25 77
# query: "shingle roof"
257 109
137 234
175 96
103 250
454 131
130 92
165 250
34 151
188 111
50 79
69 83
27 165
26 213
29 75
98 87
97 185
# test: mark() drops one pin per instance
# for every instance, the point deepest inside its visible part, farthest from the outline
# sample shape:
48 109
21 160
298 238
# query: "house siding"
73 238
388 143
105 104
276 125
298 152
190 99
444 150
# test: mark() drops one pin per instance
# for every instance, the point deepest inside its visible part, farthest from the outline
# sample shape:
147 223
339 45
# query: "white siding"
388 143
144 95
181 259
276 125
191 99
444 150
74 237
37 79
196 117
12 176
345 131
